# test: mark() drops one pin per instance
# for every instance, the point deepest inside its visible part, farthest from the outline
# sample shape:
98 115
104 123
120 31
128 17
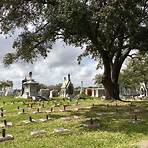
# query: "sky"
50 71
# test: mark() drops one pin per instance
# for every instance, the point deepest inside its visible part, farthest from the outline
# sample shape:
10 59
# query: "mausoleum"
67 89
29 87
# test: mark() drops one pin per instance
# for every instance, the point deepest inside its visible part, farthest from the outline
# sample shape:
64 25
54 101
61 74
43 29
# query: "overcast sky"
61 61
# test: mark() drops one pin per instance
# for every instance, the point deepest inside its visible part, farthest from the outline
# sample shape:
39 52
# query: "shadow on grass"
113 118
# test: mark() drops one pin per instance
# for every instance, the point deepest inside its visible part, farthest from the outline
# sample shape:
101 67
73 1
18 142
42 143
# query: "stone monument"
29 87
67 89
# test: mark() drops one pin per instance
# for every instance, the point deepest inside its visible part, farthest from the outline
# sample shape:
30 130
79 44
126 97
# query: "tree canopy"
136 73
109 29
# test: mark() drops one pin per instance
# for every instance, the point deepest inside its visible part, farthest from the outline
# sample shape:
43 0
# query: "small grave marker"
135 117
116 104
30 119
91 121
5 122
38 133
2 114
3 132
5 137
2 109
92 124
64 107
51 109
46 117
62 131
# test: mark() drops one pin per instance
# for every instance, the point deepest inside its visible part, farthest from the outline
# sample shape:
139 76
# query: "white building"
96 91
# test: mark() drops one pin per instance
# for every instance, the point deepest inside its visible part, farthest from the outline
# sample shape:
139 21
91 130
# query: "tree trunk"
112 67
111 89
110 78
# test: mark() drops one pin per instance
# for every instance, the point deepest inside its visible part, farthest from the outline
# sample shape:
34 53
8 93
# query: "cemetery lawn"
115 131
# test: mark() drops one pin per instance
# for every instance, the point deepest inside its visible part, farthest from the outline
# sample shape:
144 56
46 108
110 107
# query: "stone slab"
61 131
28 122
38 133
9 124
6 138
44 120
92 126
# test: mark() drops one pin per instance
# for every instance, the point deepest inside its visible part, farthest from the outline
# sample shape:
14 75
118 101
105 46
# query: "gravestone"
30 120
5 124
92 124
37 111
5 136
44 119
135 119
62 131
2 114
37 133
2 109
66 118
51 109
23 112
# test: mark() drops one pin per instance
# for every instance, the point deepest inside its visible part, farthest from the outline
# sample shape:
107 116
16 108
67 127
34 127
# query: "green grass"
115 129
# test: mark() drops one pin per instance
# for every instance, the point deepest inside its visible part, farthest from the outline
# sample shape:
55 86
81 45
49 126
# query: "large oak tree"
109 29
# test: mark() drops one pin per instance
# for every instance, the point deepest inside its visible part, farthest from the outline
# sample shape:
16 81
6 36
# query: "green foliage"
103 26
135 73
7 83
98 79
83 96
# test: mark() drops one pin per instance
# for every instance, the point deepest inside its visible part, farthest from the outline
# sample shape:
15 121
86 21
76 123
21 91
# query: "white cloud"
60 61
